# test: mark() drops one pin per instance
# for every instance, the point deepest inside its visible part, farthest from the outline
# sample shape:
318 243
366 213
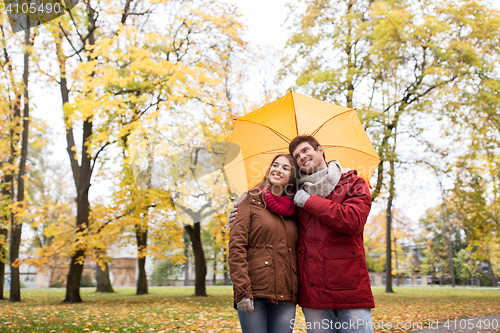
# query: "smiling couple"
298 236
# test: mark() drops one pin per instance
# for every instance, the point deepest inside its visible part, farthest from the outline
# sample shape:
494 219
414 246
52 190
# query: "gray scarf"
323 182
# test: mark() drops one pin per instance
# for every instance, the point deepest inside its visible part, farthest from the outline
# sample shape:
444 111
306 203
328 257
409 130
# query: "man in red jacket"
334 285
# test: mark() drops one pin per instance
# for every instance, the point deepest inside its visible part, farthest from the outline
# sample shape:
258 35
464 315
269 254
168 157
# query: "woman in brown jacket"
262 259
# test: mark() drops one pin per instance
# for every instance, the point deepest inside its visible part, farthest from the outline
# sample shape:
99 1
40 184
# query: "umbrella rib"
295 115
335 146
317 129
283 137
246 158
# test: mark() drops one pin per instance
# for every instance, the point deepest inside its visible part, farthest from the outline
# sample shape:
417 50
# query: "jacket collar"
348 173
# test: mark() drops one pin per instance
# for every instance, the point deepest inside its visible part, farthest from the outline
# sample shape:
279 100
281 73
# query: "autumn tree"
77 38
476 169
5 183
218 232
402 240
478 213
468 163
5 170
159 71
442 237
50 206
467 266
18 101
374 243
392 60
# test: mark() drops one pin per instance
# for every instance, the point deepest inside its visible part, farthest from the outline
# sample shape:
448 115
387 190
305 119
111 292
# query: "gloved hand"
245 305
230 217
318 188
300 198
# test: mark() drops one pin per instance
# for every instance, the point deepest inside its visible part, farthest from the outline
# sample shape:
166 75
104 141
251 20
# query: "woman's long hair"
290 188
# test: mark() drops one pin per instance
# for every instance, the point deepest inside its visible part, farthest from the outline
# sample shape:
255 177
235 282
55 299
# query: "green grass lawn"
174 309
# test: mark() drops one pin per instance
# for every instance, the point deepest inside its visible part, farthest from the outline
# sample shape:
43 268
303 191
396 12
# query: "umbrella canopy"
260 135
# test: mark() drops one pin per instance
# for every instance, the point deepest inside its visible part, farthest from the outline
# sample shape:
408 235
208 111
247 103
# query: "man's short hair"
304 138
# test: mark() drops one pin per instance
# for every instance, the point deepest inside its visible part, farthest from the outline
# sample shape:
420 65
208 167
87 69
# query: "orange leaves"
53 232
426 305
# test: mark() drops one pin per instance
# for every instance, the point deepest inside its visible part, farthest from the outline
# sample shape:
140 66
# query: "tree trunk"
82 218
103 281
186 267
7 196
491 273
74 277
8 180
214 280
449 243
15 242
16 227
63 85
142 242
450 261
395 257
3 235
224 258
200 267
388 251
15 294
81 174
226 269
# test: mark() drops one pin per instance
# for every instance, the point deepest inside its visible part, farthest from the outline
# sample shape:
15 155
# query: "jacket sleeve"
348 217
238 247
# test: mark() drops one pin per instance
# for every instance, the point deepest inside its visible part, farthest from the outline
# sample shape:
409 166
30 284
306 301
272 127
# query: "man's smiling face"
308 159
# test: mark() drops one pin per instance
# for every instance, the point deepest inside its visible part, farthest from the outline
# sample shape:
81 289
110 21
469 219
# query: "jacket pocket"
341 267
258 271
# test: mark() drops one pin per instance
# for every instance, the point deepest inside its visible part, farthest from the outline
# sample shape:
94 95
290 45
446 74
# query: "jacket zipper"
275 268
275 279
290 257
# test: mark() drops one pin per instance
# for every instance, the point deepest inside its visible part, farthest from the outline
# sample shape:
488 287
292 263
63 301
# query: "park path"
470 325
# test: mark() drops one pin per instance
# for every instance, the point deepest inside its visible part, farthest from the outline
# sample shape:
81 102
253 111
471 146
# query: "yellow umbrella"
267 131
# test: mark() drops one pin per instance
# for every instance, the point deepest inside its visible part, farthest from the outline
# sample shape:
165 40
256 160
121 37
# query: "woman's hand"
245 305
232 214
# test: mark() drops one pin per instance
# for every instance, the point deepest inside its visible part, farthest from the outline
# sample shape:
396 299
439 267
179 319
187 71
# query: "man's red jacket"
330 253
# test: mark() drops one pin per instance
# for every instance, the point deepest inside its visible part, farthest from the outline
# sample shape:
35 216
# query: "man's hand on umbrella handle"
300 198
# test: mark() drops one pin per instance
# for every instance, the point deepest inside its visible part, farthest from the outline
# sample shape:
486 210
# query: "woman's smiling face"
280 172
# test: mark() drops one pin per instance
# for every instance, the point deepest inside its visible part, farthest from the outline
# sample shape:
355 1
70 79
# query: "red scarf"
281 205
